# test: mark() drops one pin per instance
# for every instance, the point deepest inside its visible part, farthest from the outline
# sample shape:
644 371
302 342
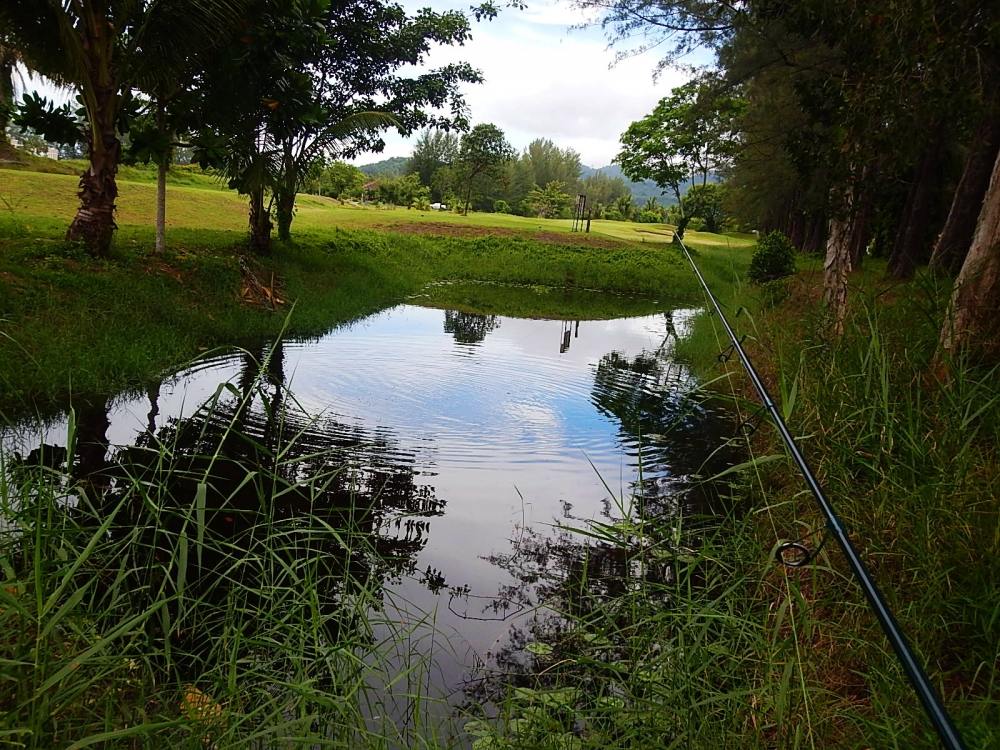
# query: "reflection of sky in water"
497 418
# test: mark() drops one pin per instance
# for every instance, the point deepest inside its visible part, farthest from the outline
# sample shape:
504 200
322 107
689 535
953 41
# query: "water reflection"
269 484
392 462
469 328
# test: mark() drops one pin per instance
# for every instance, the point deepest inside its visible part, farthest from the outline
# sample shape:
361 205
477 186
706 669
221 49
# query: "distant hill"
394 167
643 190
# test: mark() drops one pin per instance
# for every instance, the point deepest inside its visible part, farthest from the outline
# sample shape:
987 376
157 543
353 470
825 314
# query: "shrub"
773 259
501 207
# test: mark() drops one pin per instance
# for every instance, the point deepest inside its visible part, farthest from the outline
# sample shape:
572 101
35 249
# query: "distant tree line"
479 170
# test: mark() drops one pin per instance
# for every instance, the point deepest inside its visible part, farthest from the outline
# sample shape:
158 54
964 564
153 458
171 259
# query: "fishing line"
931 701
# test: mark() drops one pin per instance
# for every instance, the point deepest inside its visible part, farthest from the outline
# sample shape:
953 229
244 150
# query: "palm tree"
102 48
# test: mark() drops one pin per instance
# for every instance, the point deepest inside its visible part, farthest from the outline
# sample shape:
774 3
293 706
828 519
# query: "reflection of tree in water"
260 498
469 328
565 579
681 437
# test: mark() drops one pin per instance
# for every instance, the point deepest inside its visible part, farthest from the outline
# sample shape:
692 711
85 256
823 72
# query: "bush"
501 207
773 259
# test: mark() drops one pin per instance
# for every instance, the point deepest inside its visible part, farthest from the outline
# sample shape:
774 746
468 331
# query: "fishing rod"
931 701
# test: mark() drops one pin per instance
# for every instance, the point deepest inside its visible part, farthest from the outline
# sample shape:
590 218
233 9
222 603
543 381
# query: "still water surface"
463 431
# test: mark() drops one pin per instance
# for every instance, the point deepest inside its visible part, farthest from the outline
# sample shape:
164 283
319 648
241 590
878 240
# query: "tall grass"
646 640
911 465
219 584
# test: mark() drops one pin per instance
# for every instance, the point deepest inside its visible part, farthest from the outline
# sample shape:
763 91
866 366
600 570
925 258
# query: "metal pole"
931 701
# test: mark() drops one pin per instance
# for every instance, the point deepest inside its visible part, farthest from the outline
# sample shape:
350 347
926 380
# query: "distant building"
49 152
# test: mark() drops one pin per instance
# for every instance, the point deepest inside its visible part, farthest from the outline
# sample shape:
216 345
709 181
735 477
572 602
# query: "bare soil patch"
442 229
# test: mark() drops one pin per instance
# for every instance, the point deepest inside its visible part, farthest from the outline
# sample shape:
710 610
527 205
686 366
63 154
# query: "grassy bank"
912 465
652 636
71 324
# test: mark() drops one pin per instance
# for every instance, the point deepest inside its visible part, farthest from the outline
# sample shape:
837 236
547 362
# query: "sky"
546 79
543 79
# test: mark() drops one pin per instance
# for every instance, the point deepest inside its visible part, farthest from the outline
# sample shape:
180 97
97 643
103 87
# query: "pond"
457 440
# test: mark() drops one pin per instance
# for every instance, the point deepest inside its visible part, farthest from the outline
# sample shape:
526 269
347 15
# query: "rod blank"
933 706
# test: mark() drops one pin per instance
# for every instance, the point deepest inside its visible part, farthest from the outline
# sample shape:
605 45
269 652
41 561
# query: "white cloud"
544 79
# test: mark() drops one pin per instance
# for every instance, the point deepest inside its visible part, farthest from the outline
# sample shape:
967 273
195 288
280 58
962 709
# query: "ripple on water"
488 421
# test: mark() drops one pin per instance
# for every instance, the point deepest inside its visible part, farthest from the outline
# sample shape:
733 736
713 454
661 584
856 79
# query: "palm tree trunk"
260 223
94 223
973 320
284 200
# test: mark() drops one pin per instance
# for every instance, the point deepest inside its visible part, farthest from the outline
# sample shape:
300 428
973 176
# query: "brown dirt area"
441 229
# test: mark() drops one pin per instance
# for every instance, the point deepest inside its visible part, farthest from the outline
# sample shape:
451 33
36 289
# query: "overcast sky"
543 79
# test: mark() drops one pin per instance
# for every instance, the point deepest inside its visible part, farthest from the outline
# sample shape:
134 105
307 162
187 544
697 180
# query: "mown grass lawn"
72 324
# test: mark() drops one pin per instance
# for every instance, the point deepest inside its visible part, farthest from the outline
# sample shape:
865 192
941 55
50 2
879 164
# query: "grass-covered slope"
69 323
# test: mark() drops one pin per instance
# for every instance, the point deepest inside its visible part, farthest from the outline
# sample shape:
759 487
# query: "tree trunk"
956 237
94 223
861 226
816 236
797 228
837 265
260 223
161 180
912 236
161 207
284 205
973 321
284 199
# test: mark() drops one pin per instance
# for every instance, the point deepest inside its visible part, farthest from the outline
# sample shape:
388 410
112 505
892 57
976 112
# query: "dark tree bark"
284 206
94 223
973 322
953 243
284 198
861 226
816 234
260 223
912 245
797 228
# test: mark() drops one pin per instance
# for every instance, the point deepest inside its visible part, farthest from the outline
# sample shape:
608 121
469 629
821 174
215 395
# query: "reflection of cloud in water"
532 415
449 445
